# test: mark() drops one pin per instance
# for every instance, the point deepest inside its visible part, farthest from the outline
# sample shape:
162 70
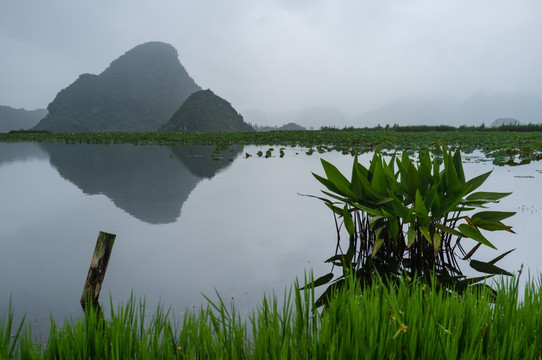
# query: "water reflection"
150 183
12 152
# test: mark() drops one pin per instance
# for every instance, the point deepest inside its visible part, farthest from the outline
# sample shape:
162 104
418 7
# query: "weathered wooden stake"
96 271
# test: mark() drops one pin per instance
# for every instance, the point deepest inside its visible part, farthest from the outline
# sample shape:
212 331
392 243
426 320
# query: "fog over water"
276 57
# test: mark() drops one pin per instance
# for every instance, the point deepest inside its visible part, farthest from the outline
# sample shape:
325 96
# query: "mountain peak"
205 111
139 91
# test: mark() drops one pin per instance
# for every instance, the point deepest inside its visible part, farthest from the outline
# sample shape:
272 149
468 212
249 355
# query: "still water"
189 222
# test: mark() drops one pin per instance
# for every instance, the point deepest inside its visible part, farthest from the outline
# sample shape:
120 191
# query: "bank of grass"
411 321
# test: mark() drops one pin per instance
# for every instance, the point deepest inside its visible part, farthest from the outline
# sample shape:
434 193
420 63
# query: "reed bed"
407 321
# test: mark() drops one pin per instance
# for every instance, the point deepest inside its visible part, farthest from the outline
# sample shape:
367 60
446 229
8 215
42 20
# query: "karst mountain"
139 91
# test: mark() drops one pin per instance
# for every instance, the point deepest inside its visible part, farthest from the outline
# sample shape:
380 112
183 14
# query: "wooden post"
96 271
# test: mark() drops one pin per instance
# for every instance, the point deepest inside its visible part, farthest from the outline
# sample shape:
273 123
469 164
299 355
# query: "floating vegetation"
505 148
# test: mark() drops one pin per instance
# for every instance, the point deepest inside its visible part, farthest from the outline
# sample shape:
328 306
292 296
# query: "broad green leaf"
426 234
413 181
474 234
356 185
337 210
389 170
335 259
402 166
368 209
336 178
419 206
500 257
448 230
348 223
328 184
379 181
384 200
341 259
464 283
448 205
437 201
490 225
316 197
411 236
492 215
400 209
473 250
377 159
320 281
336 197
378 242
458 164
393 226
476 203
436 241
476 182
430 198
424 169
453 183
487 196
370 191
488 268
436 171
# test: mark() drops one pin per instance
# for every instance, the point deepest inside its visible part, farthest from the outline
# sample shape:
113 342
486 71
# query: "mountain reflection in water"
150 183
21 151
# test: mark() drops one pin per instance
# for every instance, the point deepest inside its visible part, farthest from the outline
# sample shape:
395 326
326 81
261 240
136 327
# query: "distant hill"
139 91
17 119
481 107
205 111
504 121
318 116
309 118
287 127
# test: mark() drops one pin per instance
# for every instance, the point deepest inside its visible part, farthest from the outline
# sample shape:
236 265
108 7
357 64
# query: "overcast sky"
281 54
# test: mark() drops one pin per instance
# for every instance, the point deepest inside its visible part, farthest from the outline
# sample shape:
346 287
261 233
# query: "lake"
189 221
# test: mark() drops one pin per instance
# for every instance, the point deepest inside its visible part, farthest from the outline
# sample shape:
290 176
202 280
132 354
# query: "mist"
282 59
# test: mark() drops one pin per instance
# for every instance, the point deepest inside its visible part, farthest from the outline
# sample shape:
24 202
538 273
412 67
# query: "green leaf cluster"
412 218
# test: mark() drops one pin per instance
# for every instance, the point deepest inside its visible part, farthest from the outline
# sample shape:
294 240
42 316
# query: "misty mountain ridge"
480 108
505 121
139 91
205 111
309 118
17 119
285 127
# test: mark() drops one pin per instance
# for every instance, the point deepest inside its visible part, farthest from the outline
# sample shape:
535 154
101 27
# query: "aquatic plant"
520 147
408 219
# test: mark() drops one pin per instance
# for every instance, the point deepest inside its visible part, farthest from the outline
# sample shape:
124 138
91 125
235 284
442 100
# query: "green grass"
410 321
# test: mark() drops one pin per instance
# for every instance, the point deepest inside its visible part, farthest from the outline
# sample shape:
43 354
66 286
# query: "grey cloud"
282 55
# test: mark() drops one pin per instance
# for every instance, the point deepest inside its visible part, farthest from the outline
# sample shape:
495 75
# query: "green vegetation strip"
407 321
505 146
